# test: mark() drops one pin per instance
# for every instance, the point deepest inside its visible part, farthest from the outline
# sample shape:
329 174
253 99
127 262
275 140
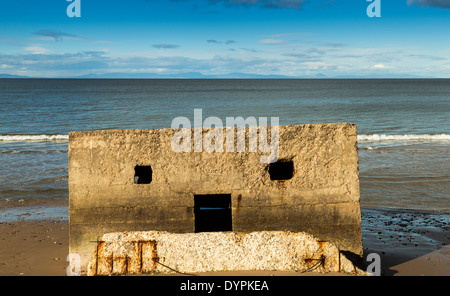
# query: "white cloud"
271 41
379 66
318 65
283 35
165 46
37 49
300 61
435 3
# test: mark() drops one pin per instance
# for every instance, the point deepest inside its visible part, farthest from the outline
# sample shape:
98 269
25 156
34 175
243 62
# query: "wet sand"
410 243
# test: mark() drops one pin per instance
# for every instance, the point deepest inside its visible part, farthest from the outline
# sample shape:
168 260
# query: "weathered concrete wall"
322 197
148 252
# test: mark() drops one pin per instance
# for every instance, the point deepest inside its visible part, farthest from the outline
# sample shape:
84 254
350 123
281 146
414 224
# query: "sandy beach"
410 243
34 248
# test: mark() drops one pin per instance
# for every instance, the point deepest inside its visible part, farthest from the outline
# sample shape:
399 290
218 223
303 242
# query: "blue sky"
298 38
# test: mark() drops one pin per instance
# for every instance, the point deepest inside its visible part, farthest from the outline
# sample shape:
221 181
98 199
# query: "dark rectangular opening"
212 212
281 170
142 174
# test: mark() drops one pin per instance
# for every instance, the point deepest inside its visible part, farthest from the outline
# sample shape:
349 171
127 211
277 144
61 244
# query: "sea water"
403 127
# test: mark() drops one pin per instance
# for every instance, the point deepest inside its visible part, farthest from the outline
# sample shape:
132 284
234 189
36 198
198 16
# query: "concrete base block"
149 252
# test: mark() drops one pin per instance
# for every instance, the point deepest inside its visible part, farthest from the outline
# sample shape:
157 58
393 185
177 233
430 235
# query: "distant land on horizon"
198 75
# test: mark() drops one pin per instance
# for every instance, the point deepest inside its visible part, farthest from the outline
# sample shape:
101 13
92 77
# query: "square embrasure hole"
281 170
212 212
143 174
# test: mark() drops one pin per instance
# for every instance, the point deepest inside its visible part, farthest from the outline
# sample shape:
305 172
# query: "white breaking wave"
361 138
33 138
402 138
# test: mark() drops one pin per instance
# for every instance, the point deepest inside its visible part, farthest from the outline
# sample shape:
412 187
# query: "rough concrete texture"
134 253
321 198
